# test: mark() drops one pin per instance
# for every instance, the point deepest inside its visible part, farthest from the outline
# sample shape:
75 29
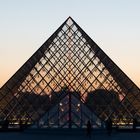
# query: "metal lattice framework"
68 81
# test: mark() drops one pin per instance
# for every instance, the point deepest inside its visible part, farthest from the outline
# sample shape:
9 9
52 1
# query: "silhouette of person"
89 128
21 125
5 124
109 126
134 124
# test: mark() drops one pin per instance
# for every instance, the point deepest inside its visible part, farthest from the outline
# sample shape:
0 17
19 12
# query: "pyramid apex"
69 18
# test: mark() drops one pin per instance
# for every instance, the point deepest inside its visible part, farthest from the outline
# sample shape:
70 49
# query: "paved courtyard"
60 135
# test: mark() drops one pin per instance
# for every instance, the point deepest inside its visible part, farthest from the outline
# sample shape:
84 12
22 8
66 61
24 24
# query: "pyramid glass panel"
68 81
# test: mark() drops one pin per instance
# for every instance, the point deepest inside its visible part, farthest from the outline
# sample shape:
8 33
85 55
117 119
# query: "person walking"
134 124
89 128
109 126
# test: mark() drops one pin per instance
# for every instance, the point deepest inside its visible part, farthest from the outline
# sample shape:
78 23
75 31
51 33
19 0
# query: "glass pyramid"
68 81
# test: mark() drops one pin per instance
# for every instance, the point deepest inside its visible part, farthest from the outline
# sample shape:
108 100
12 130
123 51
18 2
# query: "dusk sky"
113 24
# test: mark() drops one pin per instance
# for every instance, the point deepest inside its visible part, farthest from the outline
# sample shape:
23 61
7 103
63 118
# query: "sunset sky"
113 24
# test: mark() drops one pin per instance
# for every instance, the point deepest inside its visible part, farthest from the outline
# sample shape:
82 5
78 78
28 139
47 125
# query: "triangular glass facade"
68 81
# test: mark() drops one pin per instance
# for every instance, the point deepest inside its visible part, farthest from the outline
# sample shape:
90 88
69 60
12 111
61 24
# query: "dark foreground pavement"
67 135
